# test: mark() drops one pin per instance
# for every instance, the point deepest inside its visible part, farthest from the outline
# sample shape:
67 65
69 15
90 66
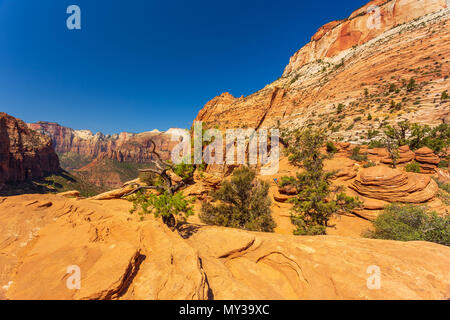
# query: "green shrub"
411 85
315 203
376 144
443 186
244 204
392 87
357 156
417 136
331 148
443 164
444 95
285 181
164 205
184 171
372 134
413 167
411 223
369 164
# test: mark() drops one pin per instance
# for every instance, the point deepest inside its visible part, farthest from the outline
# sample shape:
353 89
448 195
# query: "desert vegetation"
316 202
243 203
165 205
411 223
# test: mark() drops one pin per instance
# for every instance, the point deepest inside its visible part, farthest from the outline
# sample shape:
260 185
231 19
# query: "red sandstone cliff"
353 62
105 160
363 25
24 154
123 147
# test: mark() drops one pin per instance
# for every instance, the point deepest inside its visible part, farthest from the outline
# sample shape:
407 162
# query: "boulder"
288 190
70 194
345 168
394 185
278 197
405 155
113 194
427 159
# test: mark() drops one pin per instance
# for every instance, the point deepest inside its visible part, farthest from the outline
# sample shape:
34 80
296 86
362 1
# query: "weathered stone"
24 154
394 185
121 257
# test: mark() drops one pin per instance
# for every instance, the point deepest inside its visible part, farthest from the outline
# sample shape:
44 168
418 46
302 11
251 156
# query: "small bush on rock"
244 204
411 223
413 167
164 205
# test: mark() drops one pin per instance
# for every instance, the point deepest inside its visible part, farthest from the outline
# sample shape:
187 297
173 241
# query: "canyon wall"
105 160
24 154
354 63
121 147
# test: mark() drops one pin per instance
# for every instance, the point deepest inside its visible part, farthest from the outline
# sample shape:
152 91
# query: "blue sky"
137 65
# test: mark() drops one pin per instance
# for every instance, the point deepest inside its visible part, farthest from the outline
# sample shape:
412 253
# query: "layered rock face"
363 25
427 159
394 185
105 160
122 147
353 63
120 257
24 154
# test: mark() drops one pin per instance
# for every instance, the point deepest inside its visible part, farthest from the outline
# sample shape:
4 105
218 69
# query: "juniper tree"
315 202
243 203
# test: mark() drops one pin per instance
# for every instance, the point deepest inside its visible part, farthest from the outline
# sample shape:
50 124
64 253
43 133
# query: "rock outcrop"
427 159
345 73
393 185
363 25
405 155
120 257
24 154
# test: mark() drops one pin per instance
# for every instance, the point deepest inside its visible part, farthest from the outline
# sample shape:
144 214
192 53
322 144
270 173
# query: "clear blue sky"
137 65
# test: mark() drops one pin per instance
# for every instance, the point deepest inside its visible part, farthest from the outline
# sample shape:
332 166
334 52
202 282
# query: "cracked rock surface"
121 257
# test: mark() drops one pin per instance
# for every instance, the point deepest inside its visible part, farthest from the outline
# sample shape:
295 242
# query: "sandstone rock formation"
363 25
122 258
24 154
427 159
350 64
404 155
394 185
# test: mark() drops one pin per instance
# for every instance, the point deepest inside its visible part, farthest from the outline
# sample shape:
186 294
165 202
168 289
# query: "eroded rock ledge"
122 258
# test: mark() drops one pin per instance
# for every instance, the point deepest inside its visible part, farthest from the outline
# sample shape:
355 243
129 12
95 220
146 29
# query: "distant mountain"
105 160
389 60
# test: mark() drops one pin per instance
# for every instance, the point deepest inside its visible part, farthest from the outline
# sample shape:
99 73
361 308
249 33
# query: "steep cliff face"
105 160
24 154
355 62
123 147
363 25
